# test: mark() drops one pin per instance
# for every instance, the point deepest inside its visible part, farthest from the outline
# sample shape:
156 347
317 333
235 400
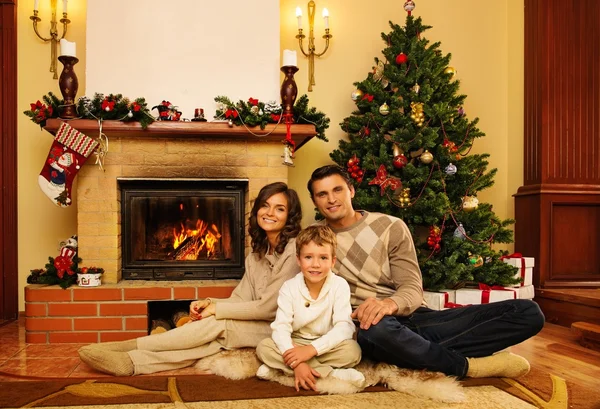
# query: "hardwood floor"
554 349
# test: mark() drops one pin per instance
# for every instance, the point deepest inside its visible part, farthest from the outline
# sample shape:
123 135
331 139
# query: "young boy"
312 331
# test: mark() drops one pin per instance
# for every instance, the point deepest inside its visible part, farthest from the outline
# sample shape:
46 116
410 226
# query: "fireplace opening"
182 229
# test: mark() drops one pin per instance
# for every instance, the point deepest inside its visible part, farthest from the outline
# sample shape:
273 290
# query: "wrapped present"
484 294
525 265
437 300
524 293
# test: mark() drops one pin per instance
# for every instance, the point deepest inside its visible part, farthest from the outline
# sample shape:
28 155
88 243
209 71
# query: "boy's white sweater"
325 320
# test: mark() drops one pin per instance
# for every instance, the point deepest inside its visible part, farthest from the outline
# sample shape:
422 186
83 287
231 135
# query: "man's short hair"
326 171
318 234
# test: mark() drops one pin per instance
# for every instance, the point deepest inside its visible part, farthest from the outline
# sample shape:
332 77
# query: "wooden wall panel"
561 190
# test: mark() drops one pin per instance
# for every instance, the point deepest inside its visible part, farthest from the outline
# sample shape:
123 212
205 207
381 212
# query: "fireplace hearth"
182 229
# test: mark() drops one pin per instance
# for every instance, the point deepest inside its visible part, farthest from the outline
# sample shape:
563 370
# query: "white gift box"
89 280
524 293
525 265
467 296
437 299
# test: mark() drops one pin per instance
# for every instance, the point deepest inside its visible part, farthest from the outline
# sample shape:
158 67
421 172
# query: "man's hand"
305 377
197 309
373 310
295 356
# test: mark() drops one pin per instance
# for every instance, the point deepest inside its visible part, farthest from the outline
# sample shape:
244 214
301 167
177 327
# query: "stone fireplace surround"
118 309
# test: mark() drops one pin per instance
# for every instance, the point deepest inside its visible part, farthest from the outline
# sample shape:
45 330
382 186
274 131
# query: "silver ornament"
230 123
129 114
450 169
459 232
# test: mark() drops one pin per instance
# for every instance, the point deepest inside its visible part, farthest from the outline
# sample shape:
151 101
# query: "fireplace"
182 229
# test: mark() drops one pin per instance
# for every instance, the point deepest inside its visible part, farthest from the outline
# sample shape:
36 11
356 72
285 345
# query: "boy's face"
315 262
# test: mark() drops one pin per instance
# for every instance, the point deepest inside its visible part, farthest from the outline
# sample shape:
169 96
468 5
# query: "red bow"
384 181
486 290
518 255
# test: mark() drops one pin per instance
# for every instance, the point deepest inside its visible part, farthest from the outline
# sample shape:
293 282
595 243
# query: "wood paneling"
8 160
557 211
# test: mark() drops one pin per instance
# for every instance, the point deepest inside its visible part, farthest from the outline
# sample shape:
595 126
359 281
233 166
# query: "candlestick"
68 85
290 58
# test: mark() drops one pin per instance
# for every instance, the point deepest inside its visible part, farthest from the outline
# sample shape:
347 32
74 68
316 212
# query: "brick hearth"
118 309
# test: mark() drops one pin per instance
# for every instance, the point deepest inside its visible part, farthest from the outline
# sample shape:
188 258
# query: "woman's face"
272 215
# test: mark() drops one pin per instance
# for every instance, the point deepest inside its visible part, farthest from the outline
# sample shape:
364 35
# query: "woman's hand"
295 356
211 309
305 377
196 309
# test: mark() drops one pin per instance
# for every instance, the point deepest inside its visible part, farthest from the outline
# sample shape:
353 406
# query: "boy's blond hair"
319 234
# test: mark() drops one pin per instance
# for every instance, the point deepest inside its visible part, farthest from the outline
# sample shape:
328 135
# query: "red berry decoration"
401 59
400 161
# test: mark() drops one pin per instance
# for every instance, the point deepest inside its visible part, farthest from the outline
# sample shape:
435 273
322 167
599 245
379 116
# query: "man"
376 255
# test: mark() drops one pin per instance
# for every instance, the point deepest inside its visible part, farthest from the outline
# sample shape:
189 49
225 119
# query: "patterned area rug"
537 389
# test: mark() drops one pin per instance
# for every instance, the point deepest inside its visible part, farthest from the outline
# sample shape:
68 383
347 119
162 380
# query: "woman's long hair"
292 227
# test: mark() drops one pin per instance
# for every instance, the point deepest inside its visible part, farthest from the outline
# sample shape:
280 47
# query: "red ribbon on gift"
518 255
486 290
454 305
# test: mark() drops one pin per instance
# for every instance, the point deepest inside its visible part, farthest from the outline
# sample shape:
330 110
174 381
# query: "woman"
242 320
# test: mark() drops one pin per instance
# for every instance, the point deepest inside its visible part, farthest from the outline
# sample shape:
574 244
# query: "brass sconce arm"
311 53
54 37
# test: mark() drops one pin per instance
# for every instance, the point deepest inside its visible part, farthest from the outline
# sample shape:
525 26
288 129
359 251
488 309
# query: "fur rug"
243 363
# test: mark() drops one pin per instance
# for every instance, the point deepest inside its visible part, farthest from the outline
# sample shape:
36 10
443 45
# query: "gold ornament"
404 197
450 70
426 157
356 95
396 150
475 260
417 114
384 109
416 88
470 203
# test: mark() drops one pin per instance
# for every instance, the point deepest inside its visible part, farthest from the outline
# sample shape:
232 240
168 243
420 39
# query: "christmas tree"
408 153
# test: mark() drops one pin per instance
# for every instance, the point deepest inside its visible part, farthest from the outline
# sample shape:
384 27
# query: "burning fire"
189 243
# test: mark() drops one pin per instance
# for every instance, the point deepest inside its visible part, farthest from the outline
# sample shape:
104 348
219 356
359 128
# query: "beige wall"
485 39
42 225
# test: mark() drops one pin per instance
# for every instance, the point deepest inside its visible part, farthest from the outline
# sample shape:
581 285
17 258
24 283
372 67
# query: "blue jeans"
442 340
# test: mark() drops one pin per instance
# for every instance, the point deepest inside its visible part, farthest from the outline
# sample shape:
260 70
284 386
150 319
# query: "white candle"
36 4
325 17
299 16
290 58
65 6
68 48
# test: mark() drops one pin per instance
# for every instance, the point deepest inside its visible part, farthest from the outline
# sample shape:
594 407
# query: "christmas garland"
110 107
62 271
257 113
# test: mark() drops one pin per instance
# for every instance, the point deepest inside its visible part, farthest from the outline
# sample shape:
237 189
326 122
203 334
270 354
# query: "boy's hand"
373 310
295 356
197 309
305 377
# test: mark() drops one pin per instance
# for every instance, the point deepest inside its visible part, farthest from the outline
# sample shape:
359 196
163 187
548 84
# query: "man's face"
333 198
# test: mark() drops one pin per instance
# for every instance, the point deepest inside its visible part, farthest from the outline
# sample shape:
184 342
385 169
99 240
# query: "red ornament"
400 161
401 59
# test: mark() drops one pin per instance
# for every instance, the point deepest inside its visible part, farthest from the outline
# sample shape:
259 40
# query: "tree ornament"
384 109
357 95
417 114
470 203
426 157
475 260
450 169
129 114
404 197
451 146
434 239
354 169
384 181
401 59
396 150
288 155
451 71
378 74
254 110
416 88
460 111
459 232
230 123
400 161
409 6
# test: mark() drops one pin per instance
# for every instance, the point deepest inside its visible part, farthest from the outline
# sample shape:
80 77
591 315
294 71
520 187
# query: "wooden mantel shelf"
167 129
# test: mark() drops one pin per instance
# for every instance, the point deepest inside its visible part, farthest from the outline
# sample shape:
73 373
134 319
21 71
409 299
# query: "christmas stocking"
68 153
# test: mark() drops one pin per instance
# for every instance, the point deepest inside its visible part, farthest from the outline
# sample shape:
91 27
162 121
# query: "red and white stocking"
68 153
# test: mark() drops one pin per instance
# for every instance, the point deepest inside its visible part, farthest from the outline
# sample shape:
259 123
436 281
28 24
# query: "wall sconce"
311 39
54 38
